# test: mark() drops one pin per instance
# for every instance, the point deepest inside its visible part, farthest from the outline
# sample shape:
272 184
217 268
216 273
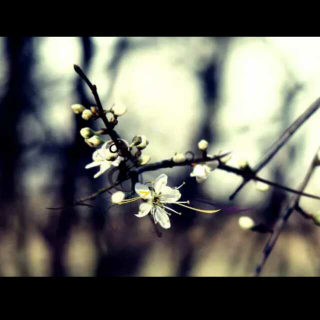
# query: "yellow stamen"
129 200
200 210
144 193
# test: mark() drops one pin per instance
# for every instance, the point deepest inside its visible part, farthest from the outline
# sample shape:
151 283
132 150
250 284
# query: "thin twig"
293 205
110 127
247 175
281 142
90 197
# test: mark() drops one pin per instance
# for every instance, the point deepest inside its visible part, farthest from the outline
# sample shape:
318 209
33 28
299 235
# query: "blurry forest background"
239 94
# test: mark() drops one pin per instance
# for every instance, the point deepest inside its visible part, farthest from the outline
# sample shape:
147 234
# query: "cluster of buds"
86 114
105 157
137 145
91 137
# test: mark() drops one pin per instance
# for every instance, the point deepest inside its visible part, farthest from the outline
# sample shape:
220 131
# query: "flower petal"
144 209
116 162
93 164
213 165
97 156
201 179
103 168
143 191
169 195
160 182
161 216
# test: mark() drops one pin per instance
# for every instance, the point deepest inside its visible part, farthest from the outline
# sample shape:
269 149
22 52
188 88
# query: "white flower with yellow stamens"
202 171
104 158
156 198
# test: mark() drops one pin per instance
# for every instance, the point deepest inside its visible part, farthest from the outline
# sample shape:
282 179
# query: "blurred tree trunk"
71 155
17 102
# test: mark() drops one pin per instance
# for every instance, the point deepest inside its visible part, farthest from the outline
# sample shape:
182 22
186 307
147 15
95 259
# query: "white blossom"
118 109
104 158
157 197
202 171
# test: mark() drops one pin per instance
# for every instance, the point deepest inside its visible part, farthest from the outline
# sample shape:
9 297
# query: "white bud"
246 223
118 197
203 145
262 186
144 142
144 160
87 114
179 157
118 109
78 108
110 116
87 133
242 163
94 141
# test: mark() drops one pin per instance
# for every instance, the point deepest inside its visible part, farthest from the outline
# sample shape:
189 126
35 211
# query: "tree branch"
293 206
281 142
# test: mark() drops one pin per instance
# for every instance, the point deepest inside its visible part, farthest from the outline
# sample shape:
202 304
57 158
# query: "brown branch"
293 206
110 127
281 142
90 197
246 174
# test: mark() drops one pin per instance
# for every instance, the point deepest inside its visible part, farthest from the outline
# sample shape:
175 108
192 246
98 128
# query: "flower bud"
94 141
179 157
203 145
144 142
110 117
144 160
262 186
118 109
87 133
87 114
246 223
118 197
78 108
